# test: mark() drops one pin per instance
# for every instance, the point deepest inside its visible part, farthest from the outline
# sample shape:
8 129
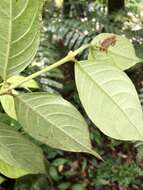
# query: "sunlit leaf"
11 171
59 3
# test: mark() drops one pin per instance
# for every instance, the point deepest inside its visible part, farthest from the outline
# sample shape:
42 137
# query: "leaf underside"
121 54
18 152
53 121
7 102
11 171
110 100
19 35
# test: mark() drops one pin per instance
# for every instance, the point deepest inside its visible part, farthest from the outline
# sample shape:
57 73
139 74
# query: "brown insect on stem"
105 44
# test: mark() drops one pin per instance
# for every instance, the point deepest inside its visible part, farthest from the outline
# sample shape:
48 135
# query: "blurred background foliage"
68 24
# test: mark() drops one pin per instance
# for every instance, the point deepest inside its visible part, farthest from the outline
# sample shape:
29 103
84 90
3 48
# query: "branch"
69 57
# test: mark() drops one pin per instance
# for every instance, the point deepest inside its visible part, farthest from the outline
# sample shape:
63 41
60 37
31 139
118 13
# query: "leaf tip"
94 153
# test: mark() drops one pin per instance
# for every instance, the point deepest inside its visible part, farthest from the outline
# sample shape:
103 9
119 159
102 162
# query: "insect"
105 44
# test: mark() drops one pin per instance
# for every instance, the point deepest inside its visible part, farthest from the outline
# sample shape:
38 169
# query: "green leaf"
59 161
11 171
7 102
19 35
53 121
29 84
4 118
64 186
78 187
110 100
2 179
54 173
18 152
120 54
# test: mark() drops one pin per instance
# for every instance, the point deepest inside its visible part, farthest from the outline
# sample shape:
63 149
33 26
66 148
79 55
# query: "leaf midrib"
9 42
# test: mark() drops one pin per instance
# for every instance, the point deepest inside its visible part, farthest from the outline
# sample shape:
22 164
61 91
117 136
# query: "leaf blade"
115 107
29 84
18 152
57 122
10 171
19 35
121 54
7 102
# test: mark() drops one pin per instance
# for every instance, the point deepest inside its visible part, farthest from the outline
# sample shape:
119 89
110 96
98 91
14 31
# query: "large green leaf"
121 54
110 100
53 121
19 34
18 152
